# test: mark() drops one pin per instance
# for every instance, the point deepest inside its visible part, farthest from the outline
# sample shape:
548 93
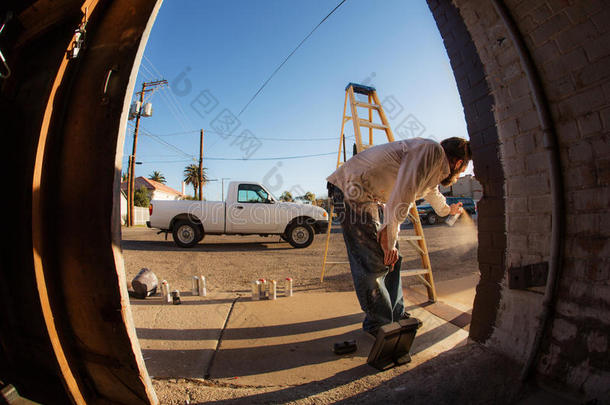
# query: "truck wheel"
432 219
186 234
300 235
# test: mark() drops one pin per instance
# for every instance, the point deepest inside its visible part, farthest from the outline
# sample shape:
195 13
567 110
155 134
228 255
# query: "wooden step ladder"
418 242
373 104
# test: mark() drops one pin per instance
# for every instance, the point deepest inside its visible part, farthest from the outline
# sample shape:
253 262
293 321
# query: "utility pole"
146 88
201 166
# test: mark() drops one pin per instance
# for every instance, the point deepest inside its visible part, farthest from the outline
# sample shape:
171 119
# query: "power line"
211 131
288 57
248 159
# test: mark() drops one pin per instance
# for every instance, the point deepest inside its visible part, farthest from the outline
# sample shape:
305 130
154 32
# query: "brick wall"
569 42
477 102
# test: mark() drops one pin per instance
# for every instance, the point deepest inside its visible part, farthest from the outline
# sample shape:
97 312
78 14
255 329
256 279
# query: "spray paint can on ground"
262 288
256 290
201 287
195 285
272 293
176 297
165 294
288 287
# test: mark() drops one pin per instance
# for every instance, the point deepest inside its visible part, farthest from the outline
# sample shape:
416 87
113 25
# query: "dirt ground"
231 263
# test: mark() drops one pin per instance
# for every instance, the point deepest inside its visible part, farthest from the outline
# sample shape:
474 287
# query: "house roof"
151 185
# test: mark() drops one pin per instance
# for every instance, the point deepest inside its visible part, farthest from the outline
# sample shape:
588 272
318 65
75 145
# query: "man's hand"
390 257
455 208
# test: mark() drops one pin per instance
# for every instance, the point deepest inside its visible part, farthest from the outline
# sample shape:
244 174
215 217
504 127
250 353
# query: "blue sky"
217 54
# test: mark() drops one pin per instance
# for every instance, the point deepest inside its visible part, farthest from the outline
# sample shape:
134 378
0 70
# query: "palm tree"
157 176
191 176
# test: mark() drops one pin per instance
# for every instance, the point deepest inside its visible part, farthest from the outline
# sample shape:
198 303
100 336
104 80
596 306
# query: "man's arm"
438 202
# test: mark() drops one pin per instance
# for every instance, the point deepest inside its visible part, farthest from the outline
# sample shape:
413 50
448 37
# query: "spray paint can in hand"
452 219
201 286
288 287
165 294
256 290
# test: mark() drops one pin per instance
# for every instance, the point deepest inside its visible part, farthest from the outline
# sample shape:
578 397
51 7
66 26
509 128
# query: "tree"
309 196
286 196
124 177
141 197
191 176
158 177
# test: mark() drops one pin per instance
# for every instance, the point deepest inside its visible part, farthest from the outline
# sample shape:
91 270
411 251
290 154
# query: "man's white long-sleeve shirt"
397 173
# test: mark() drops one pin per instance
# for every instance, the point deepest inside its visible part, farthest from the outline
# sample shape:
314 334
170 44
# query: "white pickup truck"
249 210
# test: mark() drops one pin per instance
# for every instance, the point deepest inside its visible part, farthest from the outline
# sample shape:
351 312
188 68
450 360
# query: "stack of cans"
263 289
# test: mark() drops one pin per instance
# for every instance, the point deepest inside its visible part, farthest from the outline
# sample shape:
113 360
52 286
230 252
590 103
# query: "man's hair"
457 149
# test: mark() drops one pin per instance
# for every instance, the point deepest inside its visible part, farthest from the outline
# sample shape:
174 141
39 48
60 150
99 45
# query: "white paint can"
272 293
256 293
288 287
165 294
195 285
202 287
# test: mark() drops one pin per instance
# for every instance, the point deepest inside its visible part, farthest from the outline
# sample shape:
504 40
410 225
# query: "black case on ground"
349 346
393 344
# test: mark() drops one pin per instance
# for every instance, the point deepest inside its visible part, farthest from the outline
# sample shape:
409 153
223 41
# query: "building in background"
466 186
158 191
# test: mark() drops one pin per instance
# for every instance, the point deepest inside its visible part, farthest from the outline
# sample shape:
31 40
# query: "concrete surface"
458 293
282 350
289 341
283 342
180 340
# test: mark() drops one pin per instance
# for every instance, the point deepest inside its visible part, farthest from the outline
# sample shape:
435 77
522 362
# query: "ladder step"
414 272
360 88
368 124
337 262
367 105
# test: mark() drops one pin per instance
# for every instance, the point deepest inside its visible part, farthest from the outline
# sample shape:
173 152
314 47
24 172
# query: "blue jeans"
378 289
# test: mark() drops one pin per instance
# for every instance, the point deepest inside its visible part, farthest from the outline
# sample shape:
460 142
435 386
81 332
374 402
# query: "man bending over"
397 174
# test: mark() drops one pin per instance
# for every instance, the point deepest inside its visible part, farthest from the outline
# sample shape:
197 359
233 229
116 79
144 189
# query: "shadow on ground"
253 332
170 246
467 374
